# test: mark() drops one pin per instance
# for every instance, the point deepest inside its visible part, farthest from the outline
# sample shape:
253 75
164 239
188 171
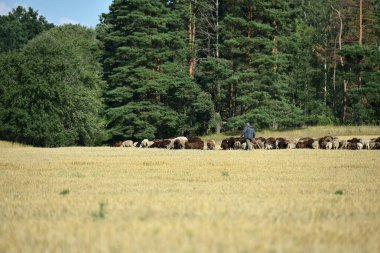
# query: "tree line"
154 69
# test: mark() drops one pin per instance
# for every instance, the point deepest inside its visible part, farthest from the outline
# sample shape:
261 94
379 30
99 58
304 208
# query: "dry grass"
136 200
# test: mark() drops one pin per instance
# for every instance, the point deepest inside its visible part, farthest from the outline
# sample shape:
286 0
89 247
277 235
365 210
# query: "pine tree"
145 65
255 40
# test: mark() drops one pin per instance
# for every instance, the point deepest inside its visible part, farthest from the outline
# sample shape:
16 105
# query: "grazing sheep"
346 145
237 145
281 143
244 145
306 142
365 143
211 145
323 141
257 144
224 144
359 146
328 145
354 142
127 144
268 146
194 145
160 144
291 145
315 145
177 143
144 143
117 144
193 139
335 144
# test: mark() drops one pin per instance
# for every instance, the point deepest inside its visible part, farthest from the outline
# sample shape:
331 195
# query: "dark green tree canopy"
52 90
145 65
20 26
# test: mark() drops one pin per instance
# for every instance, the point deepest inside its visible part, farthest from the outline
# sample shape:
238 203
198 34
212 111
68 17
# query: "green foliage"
64 192
101 213
20 26
51 94
276 64
150 94
225 173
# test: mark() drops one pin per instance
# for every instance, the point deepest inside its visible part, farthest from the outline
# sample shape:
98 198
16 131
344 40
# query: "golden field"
147 200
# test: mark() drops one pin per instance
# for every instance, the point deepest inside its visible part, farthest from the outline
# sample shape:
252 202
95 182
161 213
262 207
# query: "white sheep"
335 144
144 143
359 146
127 144
237 145
268 146
329 145
365 143
315 145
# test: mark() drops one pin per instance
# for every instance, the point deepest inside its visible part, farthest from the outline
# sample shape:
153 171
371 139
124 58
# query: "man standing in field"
248 135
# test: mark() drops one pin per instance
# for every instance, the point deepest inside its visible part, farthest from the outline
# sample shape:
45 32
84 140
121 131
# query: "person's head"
248 124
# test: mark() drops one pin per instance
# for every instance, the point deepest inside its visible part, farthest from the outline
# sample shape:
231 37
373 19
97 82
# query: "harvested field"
148 200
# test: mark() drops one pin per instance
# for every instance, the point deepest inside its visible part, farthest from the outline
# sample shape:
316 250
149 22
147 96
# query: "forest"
160 68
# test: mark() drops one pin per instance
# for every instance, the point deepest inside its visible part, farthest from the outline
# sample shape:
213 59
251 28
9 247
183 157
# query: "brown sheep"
194 145
211 145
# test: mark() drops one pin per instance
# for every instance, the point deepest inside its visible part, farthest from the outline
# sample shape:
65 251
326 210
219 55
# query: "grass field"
145 200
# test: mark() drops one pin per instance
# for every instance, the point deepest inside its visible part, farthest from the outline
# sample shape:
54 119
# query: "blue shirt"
248 132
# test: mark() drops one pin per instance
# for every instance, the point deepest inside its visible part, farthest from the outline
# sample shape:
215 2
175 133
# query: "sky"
59 12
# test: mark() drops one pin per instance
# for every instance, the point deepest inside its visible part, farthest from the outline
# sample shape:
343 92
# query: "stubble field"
145 200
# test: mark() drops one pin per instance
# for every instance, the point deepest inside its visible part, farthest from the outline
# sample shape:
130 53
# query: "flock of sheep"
235 143
326 142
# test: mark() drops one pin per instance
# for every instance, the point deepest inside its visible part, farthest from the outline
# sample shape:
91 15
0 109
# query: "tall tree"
51 93
256 34
145 58
20 26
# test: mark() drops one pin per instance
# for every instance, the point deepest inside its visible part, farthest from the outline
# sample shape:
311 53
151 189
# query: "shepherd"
248 135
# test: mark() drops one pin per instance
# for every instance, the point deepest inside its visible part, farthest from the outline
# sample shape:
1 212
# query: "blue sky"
84 12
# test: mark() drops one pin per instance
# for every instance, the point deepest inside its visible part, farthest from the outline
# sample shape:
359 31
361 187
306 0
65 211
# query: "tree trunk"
361 22
340 32
325 85
344 101
191 32
334 74
217 28
218 95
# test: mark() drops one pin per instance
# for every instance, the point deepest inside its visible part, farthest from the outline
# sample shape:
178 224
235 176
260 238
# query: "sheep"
346 145
315 145
328 145
237 145
144 143
194 145
359 146
365 143
117 144
257 144
177 143
335 144
268 146
127 144
211 145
